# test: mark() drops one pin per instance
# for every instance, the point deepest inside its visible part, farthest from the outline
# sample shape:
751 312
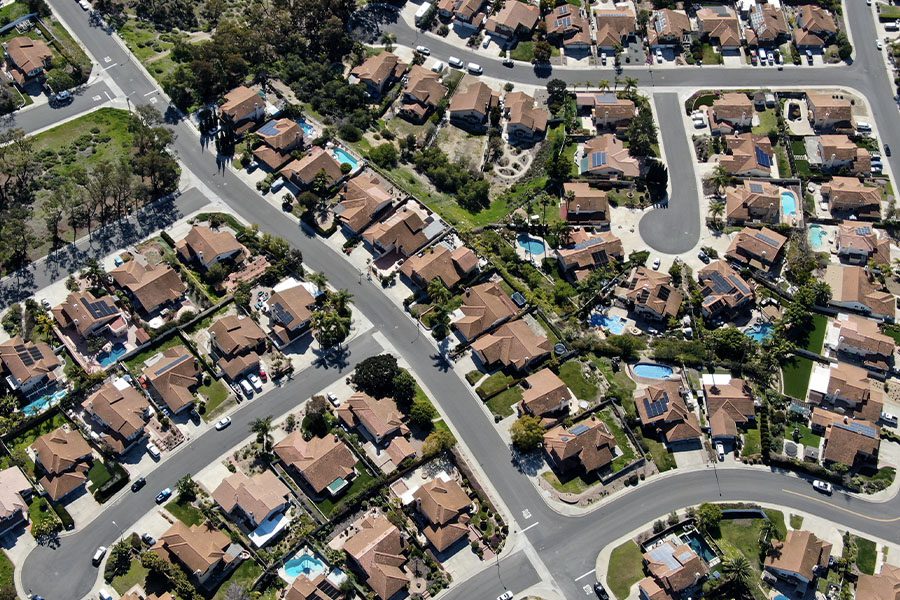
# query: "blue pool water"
817 237
43 403
760 333
652 371
343 156
699 546
788 204
781 597
308 130
614 325
531 245
304 564
107 358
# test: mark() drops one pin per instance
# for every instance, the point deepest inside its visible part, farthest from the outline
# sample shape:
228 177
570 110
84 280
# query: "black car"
600 591
138 483
887 150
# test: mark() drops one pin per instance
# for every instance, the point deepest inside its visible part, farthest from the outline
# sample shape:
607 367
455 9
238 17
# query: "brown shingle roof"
587 204
282 135
60 450
745 150
598 249
544 392
240 101
733 107
439 262
377 70
381 418
403 231
817 20
607 153
361 198
851 284
851 442
483 305
825 106
205 244
257 496
799 553
28 54
848 194
513 16
521 112
754 199
378 550
174 377
26 360
675 567
441 501
478 98
721 24
758 248
653 291
122 410
661 405
614 24
290 309
197 547
512 345
424 87
768 22
589 443
320 461
305 169
13 484
236 334
883 586
864 334
722 288
667 24
150 286
857 237
84 311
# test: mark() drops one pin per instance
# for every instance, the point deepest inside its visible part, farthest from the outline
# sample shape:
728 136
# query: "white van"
474 69
438 66
104 595
455 62
863 126
153 451
247 388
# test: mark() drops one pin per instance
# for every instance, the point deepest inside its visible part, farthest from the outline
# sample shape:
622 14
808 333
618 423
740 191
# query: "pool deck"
535 259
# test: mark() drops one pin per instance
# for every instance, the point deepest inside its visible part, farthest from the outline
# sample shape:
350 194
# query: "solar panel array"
660 22
663 555
762 158
564 22
281 314
28 355
664 292
736 281
99 308
588 243
270 128
605 99
172 365
766 239
598 159
864 230
718 283
860 428
579 429
756 188
657 407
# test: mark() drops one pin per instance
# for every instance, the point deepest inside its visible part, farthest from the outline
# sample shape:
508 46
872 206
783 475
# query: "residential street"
568 546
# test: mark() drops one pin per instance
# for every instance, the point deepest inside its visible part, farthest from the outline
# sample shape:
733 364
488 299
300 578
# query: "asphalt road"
567 545
84 98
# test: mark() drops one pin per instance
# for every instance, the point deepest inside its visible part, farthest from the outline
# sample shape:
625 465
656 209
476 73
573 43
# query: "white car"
246 388
84 4
153 451
279 183
455 62
878 44
223 423
507 595
659 56
98 556
332 398
822 486
699 123
486 42
656 264
889 419
255 381
603 58
474 68
423 50
720 451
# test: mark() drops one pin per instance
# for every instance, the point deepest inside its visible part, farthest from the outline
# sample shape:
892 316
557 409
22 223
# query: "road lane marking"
97 98
110 67
846 510
107 59
150 92
587 590
526 514
153 100
108 96
591 572
530 526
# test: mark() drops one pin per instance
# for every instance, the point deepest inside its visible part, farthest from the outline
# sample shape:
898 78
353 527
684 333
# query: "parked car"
720 451
822 486
279 183
61 98
486 42
46 304
474 68
163 495
223 423
809 57
263 375
246 388
438 66
255 381
84 4
600 591
655 264
889 419
508 62
507 595
138 483
423 50
878 44
98 556
153 451
887 150
603 58
703 256
104 595
455 62
659 56
148 539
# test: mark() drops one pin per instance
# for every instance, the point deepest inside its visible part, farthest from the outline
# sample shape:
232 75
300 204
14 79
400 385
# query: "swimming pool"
308 130
306 564
781 597
43 403
818 238
107 358
531 245
652 371
343 156
788 204
614 325
760 332
698 545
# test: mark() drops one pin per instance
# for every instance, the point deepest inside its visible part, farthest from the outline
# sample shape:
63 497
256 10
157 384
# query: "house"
28 366
90 316
589 251
858 243
883 586
525 122
668 28
853 443
206 247
315 588
585 447
484 306
405 231
749 155
584 205
828 111
729 406
173 378
443 503
753 200
652 295
724 292
861 338
513 345
545 393
768 26
421 94
662 411
303 171
323 463
15 491
852 288
399 450
515 20
838 152
440 262
376 549
201 550
815 27
797 557
615 26
719 25
378 73
121 411
472 108
848 195
467 14
64 458
673 569
756 248
290 312
279 139
609 111
237 341
150 288
252 500
847 389
240 105
730 111
567 26
378 419
28 58
362 200
606 156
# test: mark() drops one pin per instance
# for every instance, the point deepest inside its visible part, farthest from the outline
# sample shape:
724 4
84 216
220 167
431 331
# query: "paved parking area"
690 458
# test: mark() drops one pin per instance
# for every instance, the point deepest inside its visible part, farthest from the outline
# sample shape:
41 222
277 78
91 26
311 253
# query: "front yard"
244 576
626 568
503 403
185 512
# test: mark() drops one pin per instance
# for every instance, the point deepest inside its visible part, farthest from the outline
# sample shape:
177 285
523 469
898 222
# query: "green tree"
404 388
375 375
729 343
657 179
556 94
542 51
527 433
720 178
708 516
384 155
422 413
187 489
262 427
738 571
641 134
119 560
330 328
438 441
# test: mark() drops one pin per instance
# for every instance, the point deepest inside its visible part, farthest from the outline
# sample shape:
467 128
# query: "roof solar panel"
756 188
564 22
663 555
860 428
35 354
269 128
24 355
718 283
579 429
660 22
736 282
606 98
865 230
173 364
281 314
658 406
664 292
598 159
762 158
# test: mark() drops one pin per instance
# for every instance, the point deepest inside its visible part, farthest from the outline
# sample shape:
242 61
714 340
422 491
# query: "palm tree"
738 571
330 328
603 84
716 210
340 301
720 178
263 429
630 84
318 279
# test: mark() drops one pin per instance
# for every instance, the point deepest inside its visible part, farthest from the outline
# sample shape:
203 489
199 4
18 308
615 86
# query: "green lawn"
817 336
795 373
710 56
6 572
777 517
111 141
661 456
807 437
796 521
474 377
215 393
626 567
767 122
798 147
868 554
184 512
11 12
752 443
574 484
362 480
628 455
802 167
525 51
784 167
493 384
136 574
503 403
135 364
743 535
572 373
619 381
39 509
151 48
245 576
99 475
